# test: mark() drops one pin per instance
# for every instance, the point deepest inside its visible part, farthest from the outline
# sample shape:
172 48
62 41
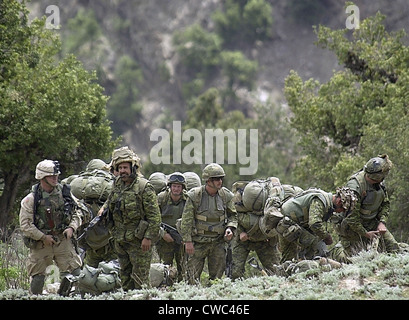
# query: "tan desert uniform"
63 252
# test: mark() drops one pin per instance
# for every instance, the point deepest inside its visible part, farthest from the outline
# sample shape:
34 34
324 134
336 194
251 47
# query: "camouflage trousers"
170 252
352 243
296 242
134 264
215 252
267 252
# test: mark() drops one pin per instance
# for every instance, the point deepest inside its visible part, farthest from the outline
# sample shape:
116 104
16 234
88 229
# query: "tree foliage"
49 109
359 113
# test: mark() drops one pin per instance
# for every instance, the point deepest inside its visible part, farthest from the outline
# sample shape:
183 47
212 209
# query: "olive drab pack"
162 275
159 181
92 185
104 278
256 193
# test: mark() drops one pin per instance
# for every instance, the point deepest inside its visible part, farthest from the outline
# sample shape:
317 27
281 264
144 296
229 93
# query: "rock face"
143 30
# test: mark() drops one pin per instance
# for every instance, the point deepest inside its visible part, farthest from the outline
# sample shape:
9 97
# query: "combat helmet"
212 170
348 198
47 168
378 168
125 154
178 178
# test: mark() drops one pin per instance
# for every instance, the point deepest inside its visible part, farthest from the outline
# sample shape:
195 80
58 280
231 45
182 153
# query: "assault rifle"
229 261
173 232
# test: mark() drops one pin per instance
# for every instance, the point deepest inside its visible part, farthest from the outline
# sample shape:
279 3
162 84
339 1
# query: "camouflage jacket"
373 204
134 210
205 217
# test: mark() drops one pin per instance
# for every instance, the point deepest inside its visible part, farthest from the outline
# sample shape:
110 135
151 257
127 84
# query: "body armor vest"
371 195
170 210
50 216
298 207
210 216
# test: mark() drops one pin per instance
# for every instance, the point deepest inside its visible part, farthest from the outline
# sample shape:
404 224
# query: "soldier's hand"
381 228
49 240
68 232
328 239
244 236
189 248
372 234
146 244
168 238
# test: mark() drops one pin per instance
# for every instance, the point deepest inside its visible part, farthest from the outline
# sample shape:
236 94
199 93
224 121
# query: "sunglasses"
216 178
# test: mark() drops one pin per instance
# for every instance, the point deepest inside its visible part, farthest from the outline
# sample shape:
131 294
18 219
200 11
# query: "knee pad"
37 284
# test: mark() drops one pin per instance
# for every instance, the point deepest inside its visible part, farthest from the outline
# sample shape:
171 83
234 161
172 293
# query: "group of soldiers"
189 224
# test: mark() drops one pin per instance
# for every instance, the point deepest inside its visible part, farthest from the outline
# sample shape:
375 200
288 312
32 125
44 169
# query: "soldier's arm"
153 216
354 220
26 218
188 220
384 209
316 214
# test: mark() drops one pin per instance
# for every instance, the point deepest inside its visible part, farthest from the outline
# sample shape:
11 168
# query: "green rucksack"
95 281
92 185
256 193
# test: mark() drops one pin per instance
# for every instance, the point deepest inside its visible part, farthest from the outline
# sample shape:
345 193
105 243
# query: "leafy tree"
199 50
361 112
124 107
239 72
244 21
50 109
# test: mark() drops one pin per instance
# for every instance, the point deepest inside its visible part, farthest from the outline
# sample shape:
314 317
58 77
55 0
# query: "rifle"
229 261
256 265
173 233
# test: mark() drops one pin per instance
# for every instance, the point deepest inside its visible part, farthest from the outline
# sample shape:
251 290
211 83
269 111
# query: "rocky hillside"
144 29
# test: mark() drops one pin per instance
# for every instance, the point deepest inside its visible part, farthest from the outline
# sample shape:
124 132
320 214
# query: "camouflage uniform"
204 221
171 211
303 225
265 245
134 212
50 219
372 208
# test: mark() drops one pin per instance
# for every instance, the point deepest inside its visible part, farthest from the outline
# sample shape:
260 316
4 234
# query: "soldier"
302 230
208 219
367 222
252 235
92 187
134 217
48 220
171 203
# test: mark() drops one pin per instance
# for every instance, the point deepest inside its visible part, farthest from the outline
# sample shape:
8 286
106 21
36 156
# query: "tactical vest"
126 208
50 215
298 207
170 211
211 218
371 196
